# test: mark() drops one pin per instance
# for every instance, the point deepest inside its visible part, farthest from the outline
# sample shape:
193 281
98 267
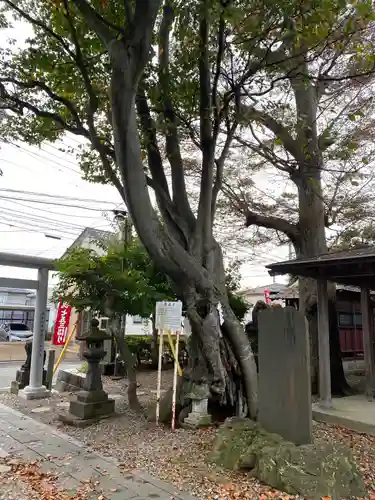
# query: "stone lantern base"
198 417
92 405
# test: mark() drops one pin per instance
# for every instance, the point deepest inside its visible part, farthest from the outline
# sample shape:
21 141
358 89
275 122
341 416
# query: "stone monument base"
91 410
23 378
196 420
92 405
69 419
34 393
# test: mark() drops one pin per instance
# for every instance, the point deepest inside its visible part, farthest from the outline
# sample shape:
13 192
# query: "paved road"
73 463
8 370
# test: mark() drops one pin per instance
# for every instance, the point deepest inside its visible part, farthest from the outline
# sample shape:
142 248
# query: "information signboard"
168 315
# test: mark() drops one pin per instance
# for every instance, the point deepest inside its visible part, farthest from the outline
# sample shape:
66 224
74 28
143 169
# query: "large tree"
312 121
90 68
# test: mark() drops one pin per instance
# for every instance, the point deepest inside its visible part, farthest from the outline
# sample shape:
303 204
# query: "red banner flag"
61 324
267 296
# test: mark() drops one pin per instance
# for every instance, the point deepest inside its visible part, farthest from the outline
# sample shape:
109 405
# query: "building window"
3 297
350 320
137 320
103 323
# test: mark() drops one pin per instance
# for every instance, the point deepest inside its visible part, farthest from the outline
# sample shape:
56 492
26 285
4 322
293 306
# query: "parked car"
15 332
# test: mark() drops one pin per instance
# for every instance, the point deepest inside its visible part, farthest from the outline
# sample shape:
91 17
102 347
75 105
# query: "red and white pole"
158 389
174 393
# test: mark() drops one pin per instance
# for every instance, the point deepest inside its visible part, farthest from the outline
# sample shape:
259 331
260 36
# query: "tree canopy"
123 279
120 280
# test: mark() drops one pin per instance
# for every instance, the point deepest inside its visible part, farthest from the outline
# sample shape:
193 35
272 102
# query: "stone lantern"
199 416
92 402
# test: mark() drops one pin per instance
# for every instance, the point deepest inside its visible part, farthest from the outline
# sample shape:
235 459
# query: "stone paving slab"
75 463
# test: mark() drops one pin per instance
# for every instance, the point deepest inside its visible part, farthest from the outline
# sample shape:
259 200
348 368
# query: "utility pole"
122 219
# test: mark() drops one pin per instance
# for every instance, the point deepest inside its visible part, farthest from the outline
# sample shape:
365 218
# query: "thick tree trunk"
213 361
130 361
222 356
312 243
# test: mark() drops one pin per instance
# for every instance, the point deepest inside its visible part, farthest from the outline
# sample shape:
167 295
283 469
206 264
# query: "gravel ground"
179 457
26 481
16 490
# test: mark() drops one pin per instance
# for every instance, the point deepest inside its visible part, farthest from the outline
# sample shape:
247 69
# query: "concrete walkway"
25 438
353 412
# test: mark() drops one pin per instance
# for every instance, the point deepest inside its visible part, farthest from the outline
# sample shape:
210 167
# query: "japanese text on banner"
62 324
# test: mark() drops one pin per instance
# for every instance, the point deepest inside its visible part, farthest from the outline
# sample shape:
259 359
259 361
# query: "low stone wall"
69 381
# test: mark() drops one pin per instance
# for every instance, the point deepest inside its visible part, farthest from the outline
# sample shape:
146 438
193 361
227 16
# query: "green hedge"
137 343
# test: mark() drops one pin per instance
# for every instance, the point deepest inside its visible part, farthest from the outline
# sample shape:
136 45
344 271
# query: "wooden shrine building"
355 268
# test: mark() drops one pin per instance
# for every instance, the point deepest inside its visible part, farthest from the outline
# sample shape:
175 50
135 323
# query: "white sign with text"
168 315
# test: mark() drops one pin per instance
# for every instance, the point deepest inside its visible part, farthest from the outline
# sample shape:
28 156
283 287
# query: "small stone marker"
199 416
14 387
50 365
42 409
284 374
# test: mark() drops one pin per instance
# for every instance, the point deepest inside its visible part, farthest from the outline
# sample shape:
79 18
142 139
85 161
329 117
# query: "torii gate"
35 389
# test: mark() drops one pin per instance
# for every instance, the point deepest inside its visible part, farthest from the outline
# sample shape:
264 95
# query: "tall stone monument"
284 374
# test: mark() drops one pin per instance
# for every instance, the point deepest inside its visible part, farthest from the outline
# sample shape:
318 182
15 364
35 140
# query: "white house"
17 305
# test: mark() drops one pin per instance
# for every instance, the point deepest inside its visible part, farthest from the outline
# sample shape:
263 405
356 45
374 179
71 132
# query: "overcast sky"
27 226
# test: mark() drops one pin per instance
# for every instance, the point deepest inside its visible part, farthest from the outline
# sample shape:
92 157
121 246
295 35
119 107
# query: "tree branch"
92 108
155 162
95 22
261 149
173 151
36 22
203 232
275 223
41 85
219 58
281 132
128 9
20 104
220 167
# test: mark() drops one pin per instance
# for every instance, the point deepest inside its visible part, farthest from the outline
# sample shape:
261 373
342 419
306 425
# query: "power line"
36 153
55 204
44 210
46 160
27 167
8 220
38 218
29 230
59 157
56 148
58 196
